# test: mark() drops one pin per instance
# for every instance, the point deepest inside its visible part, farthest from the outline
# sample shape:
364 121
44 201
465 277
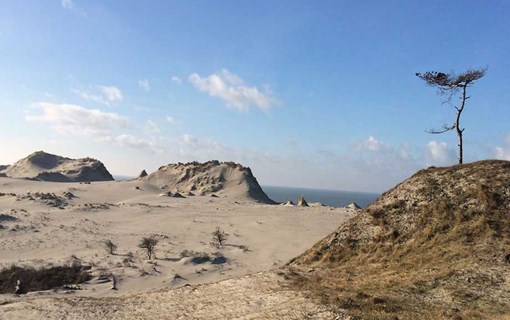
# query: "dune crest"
49 167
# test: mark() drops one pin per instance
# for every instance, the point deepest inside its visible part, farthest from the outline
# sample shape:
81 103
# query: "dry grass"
435 247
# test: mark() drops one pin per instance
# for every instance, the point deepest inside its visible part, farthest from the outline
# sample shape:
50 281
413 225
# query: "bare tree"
218 238
149 245
450 85
110 247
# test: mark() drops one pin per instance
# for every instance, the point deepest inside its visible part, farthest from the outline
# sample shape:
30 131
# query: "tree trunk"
460 146
457 123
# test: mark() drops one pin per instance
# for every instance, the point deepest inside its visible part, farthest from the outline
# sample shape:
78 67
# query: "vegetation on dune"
148 244
437 246
34 279
218 238
110 246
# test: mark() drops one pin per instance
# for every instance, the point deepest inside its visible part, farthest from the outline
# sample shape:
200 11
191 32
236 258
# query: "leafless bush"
110 247
219 237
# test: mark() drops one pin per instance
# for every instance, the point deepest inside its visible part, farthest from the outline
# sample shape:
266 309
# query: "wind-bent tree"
449 85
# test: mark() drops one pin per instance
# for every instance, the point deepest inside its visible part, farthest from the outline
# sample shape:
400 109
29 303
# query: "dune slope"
435 246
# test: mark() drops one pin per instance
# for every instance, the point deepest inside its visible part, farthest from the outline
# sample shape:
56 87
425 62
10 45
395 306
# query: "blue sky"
307 93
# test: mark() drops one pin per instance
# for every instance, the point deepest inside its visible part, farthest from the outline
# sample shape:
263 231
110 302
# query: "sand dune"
434 247
49 167
213 177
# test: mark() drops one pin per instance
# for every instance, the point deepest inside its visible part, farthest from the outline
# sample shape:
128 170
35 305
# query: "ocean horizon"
333 198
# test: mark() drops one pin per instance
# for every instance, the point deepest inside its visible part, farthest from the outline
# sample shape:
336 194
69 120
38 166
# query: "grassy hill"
437 246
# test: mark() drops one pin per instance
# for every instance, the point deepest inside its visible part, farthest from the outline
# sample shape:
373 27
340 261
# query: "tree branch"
444 129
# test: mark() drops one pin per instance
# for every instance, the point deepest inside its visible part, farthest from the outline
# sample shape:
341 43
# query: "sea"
332 198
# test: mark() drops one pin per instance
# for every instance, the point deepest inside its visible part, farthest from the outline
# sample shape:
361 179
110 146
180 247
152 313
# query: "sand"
238 280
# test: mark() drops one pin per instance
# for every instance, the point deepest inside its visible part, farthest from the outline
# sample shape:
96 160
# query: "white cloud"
67 4
170 119
76 120
126 140
103 94
503 153
176 79
439 154
73 120
373 144
232 89
370 144
144 84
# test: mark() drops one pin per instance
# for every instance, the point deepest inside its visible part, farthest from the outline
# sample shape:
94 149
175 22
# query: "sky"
318 94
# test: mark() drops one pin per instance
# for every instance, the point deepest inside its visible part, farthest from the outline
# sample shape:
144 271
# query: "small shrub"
187 253
218 238
149 245
110 247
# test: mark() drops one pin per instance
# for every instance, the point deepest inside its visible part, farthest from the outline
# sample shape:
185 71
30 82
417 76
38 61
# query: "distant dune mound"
212 177
436 246
142 174
49 167
302 202
353 205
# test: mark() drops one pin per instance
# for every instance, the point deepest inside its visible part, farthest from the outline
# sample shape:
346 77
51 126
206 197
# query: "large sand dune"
49 167
224 178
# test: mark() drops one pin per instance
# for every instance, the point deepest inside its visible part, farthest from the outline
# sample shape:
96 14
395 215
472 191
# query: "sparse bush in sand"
188 253
110 247
219 237
149 245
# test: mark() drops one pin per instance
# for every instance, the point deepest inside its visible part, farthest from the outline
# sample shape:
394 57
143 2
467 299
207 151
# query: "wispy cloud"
71 6
102 94
170 119
130 141
67 4
144 84
176 79
232 89
76 120
152 126
94 124
371 144
111 94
